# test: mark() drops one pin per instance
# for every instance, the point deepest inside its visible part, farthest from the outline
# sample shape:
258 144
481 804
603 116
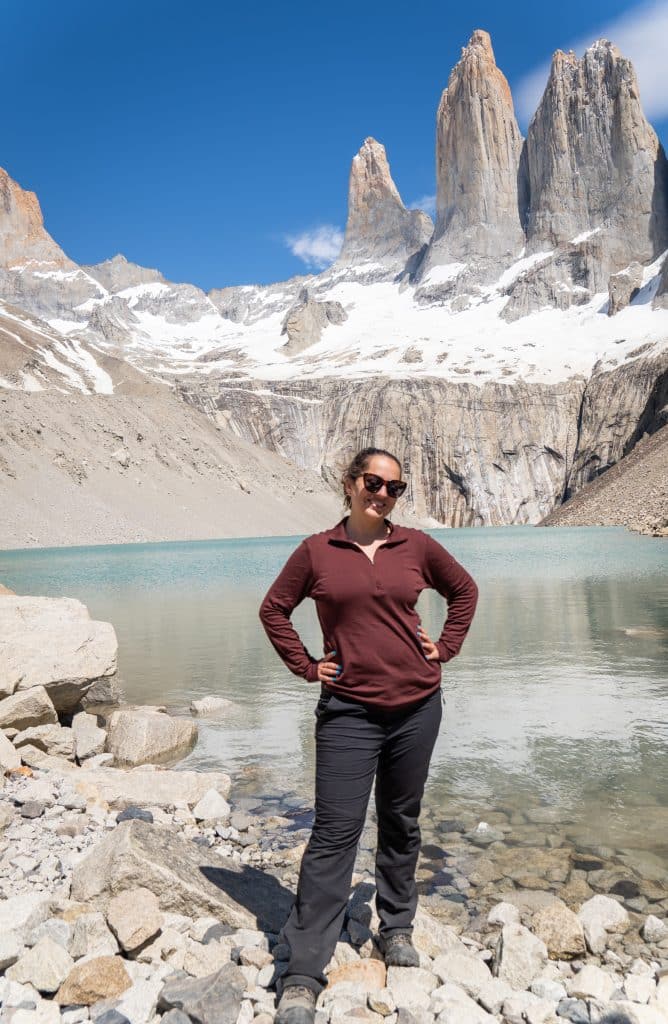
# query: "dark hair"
358 464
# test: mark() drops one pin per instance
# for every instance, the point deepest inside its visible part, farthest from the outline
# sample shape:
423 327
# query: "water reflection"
552 701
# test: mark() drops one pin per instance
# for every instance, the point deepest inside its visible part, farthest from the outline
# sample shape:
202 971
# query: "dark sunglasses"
373 483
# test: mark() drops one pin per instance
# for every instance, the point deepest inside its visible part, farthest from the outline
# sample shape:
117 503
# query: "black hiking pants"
356 743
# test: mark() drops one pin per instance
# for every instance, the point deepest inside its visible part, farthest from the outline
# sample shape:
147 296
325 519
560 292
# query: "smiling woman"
378 715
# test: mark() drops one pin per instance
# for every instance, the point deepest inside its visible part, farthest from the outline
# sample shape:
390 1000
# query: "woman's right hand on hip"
328 670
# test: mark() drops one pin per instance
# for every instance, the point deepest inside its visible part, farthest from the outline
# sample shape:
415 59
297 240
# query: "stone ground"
633 493
507 949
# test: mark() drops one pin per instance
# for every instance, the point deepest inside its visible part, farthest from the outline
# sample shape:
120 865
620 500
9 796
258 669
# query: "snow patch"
584 236
443 274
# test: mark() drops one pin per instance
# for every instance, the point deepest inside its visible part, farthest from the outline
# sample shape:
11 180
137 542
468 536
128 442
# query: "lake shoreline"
121 883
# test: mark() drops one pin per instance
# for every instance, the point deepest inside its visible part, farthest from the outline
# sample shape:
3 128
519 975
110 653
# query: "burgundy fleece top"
367 612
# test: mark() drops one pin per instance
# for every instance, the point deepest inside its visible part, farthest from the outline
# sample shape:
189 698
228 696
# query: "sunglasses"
373 483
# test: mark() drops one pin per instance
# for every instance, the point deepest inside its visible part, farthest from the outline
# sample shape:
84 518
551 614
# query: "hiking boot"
399 951
296 1005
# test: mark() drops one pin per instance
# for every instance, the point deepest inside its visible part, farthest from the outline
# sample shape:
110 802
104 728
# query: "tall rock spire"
594 162
380 229
478 147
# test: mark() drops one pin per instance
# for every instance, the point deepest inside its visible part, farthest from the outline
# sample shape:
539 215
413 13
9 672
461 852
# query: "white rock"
45 966
9 758
134 917
89 739
503 913
210 705
432 937
212 807
654 929
90 935
634 1013
600 915
463 969
53 739
36 789
139 736
76 1016
591 982
493 995
411 986
518 1007
246 1012
31 707
546 988
519 956
55 928
382 1001
167 943
139 1002
147 787
10 949
53 643
201 960
46 1012
639 989
23 913
458 1008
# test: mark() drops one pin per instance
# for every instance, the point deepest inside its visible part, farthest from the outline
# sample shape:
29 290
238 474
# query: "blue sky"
213 141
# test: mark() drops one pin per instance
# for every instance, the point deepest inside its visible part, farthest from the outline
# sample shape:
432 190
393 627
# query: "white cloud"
641 34
317 248
425 203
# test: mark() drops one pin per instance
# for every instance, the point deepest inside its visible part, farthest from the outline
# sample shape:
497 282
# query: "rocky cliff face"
596 178
478 147
380 229
478 456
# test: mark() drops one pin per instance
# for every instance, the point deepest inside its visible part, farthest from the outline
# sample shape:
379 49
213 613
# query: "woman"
378 715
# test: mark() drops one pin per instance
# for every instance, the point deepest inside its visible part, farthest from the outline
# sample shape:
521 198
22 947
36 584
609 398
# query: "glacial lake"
557 705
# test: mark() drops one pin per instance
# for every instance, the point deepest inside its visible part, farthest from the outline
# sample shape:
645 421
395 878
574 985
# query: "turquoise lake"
559 698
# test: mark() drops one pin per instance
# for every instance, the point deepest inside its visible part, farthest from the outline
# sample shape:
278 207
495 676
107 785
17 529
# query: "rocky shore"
135 892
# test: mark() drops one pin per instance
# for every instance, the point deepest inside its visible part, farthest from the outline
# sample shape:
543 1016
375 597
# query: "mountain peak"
22 233
118 273
594 162
478 150
379 227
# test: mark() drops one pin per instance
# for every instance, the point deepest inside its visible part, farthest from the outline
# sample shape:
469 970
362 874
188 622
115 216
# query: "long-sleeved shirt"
367 612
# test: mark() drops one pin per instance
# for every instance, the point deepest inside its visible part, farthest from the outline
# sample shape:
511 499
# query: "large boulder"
138 736
147 787
52 739
53 643
102 977
186 878
28 709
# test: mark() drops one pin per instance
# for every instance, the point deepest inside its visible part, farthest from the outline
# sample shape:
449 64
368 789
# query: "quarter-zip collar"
339 538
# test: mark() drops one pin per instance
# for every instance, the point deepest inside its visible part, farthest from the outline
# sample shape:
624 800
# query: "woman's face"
373 507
